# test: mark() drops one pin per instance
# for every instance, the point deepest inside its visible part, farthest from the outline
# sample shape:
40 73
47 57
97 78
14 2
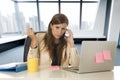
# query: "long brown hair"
50 40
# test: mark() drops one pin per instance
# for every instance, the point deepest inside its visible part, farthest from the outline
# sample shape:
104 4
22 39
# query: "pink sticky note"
54 67
99 58
107 55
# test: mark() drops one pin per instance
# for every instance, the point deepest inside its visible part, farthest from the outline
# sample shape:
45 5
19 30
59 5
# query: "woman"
54 48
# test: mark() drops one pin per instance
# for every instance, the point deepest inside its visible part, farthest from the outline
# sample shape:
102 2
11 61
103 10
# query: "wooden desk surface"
48 74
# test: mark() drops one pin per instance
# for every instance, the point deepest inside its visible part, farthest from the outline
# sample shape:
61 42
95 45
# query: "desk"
48 74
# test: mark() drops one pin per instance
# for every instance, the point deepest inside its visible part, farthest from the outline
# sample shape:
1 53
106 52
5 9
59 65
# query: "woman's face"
58 30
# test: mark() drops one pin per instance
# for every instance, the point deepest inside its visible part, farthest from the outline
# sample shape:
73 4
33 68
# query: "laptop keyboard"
71 68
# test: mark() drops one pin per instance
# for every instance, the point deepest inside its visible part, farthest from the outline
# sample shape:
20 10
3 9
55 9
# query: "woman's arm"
74 57
72 50
33 50
70 38
31 34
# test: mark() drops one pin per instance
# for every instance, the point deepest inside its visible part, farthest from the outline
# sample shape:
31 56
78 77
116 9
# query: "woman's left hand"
70 37
69 34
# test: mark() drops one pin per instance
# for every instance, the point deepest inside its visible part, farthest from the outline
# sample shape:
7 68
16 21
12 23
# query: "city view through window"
16 17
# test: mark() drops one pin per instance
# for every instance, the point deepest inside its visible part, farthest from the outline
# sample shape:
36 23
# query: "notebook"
14 67
95 56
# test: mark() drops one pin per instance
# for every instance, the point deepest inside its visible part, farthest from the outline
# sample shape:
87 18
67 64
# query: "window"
47 10
22 14
27 16
72 11
89 11
7 17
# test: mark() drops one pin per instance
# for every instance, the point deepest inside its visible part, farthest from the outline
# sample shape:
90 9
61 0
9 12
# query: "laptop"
95 56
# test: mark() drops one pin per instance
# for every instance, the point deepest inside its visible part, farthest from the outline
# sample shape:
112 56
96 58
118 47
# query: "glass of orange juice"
33 65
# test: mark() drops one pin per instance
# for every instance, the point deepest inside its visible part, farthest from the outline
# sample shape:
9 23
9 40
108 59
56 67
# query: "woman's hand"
70 37
31 34
70 34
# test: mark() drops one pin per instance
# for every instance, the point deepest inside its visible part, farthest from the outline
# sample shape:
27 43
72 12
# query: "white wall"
114 26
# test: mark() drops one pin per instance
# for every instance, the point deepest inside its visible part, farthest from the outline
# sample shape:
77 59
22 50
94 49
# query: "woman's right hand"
31 34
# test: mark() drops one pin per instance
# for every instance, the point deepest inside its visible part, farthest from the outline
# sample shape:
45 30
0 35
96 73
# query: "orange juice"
33 65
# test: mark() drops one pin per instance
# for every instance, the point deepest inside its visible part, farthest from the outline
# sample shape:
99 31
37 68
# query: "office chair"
27 46
119 41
